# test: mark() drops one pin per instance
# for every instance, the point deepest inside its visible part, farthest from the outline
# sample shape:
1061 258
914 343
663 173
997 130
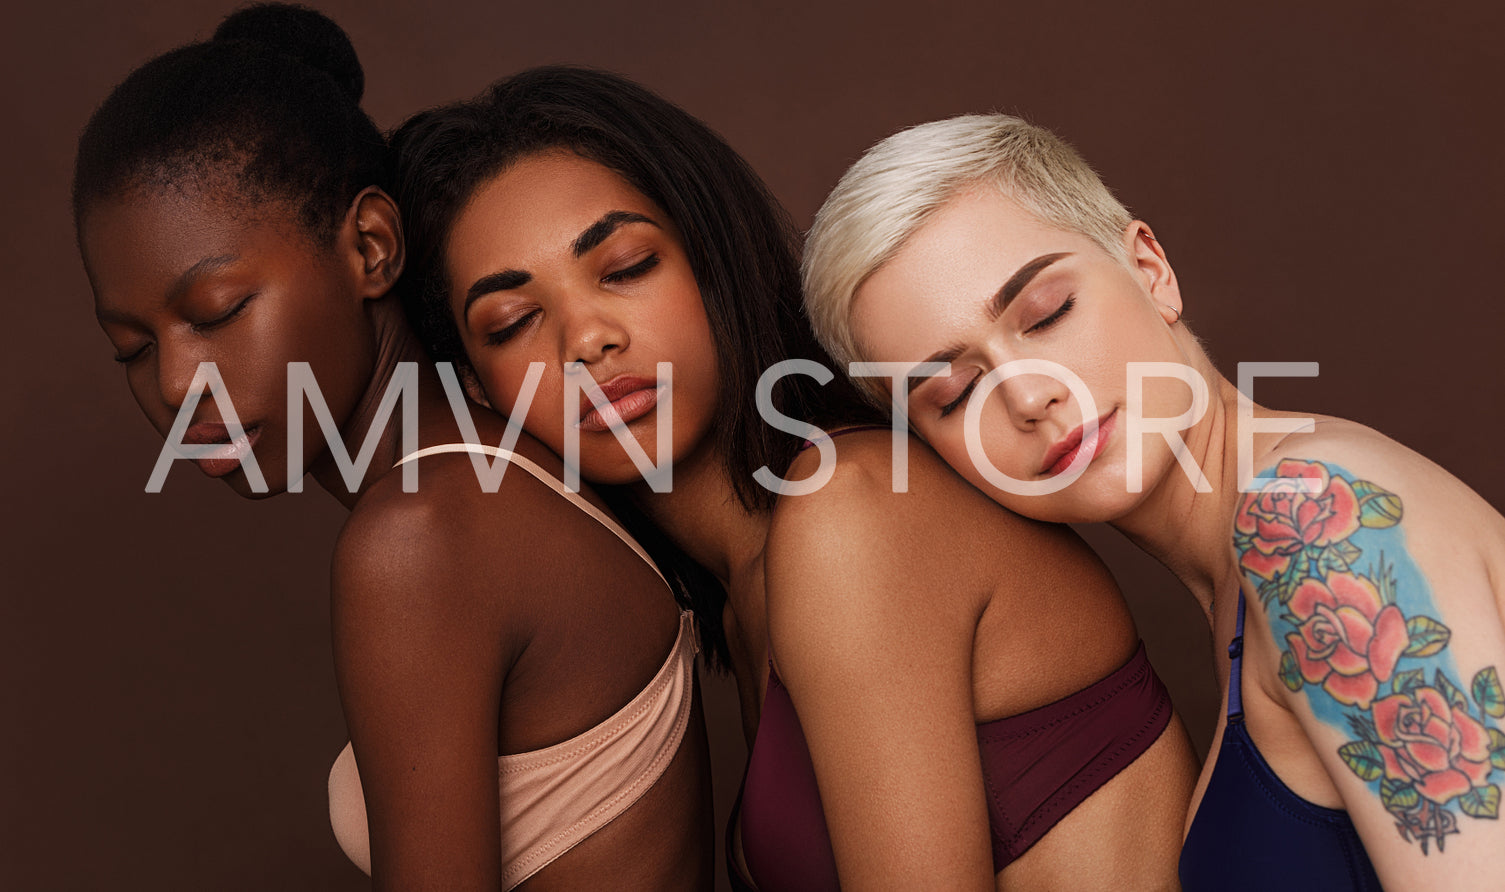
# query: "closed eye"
632 272
221 320
503 335
960 397
1055 317
133 356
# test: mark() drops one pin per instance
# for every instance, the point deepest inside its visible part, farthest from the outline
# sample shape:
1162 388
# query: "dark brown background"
1327 180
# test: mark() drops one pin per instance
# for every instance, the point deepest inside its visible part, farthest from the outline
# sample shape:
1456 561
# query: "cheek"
507 388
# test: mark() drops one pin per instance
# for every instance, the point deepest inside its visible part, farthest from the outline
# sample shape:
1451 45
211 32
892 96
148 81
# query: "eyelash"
632 272
960 398
1055 317
1043 324
216 323
498 338
196 327
126 360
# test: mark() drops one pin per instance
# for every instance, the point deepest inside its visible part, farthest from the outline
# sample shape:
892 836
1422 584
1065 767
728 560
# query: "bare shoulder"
448 553
1440 512
864 545
1377 574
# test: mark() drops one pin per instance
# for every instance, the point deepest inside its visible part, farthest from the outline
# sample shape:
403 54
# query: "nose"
176 367
1028 398
592 329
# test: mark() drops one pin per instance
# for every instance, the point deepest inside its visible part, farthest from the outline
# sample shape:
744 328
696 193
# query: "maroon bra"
1037 767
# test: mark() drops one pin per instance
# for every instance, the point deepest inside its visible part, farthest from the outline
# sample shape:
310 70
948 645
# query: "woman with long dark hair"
939 694
501 654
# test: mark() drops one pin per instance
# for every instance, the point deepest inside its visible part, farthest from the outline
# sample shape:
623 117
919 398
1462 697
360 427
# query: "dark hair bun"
302 33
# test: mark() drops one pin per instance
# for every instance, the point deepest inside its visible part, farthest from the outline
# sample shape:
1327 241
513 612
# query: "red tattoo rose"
1428 741
1348 640
1284 520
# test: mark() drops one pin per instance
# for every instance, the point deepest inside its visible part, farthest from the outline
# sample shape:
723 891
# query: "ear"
1147 259
472 385
373 229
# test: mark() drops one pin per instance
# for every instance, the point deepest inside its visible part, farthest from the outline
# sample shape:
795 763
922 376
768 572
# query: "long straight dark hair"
741 245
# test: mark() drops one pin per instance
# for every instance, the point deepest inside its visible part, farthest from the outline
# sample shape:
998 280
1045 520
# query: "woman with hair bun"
514 671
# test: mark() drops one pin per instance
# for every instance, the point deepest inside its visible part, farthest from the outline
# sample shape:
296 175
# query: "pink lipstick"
629 398
231 452
1060 456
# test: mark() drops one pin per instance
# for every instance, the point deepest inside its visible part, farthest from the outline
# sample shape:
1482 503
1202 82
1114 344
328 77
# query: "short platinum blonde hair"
898 184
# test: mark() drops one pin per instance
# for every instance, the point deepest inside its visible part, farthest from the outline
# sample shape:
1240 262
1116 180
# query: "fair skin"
892 655
1095 311
445 602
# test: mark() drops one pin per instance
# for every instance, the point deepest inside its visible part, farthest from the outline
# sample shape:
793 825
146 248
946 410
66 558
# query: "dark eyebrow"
995 306
1016 283
599 231
506 280
180 284
594 235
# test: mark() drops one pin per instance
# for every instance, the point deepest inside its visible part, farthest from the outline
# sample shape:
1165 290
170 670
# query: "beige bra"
557 796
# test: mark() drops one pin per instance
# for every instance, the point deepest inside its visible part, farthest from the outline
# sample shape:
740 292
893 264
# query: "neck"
395 343
705 518
1186 530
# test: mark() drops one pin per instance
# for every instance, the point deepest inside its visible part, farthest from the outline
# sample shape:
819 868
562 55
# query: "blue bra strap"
1236 663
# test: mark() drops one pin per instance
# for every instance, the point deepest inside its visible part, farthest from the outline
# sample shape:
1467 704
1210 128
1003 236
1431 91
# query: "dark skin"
467 624
898 621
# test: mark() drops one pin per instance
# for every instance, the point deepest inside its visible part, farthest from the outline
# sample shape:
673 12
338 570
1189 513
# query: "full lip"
630 398
1060 455
232 453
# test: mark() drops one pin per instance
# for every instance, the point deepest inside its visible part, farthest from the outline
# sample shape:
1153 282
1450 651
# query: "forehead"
934 289
137 244
537 207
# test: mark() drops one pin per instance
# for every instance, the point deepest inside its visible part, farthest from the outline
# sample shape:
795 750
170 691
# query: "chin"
274 477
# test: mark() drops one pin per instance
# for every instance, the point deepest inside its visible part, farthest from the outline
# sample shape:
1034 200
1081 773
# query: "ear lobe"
1149 262
472 386
378 241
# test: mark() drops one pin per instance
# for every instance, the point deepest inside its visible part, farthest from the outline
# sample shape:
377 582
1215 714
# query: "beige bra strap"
547 479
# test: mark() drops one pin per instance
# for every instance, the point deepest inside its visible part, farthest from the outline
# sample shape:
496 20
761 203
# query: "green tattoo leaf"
1481 802
1290 674
1488 693
1408 681
1398 795
1378 507
1363 727
1364 759
1332 562
1346 550
1447 689
1428 636
1497 748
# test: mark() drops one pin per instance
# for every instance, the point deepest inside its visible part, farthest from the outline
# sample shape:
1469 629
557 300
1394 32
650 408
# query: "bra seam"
1007 734
602 733
1098 766
1316 815
641 784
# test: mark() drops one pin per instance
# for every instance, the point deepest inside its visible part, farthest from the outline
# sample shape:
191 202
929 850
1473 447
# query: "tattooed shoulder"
1363 638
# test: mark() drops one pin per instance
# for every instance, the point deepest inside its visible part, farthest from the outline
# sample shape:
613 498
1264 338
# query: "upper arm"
1379 598
420 655
873 635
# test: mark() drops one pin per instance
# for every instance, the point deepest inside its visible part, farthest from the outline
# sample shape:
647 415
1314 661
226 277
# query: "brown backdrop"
1327 181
